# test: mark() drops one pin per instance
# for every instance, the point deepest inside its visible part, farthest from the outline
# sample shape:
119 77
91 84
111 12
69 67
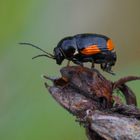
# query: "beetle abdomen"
94 44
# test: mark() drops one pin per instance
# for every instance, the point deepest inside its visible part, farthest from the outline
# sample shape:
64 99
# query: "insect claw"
46 85
111 72
49 78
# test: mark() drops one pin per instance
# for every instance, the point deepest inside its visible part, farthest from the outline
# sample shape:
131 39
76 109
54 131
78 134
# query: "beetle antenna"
40 55
48 54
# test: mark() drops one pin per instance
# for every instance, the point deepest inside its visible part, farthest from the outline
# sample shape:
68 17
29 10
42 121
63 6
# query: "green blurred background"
27 111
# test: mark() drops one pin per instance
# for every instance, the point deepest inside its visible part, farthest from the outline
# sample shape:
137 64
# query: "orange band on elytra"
93 49
110 45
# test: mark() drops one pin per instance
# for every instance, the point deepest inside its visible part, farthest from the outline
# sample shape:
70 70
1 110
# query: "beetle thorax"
68 47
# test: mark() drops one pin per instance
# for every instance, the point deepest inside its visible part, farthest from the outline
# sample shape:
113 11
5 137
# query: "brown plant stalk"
89 96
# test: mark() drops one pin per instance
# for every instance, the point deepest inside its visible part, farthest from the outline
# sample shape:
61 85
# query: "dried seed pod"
88 82
70 99
82 91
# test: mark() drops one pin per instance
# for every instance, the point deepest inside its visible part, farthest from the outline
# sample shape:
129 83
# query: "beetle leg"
106 67
68 64
92 65
77 62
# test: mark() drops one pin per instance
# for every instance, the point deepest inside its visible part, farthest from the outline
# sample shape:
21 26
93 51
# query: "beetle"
80 48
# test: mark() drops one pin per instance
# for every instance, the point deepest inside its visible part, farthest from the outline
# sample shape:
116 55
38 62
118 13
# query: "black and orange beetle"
94 48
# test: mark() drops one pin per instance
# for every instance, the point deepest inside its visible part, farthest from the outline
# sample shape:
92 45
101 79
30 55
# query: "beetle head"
59 55
64 50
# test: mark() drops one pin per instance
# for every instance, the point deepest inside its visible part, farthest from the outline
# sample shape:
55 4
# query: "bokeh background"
27 111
